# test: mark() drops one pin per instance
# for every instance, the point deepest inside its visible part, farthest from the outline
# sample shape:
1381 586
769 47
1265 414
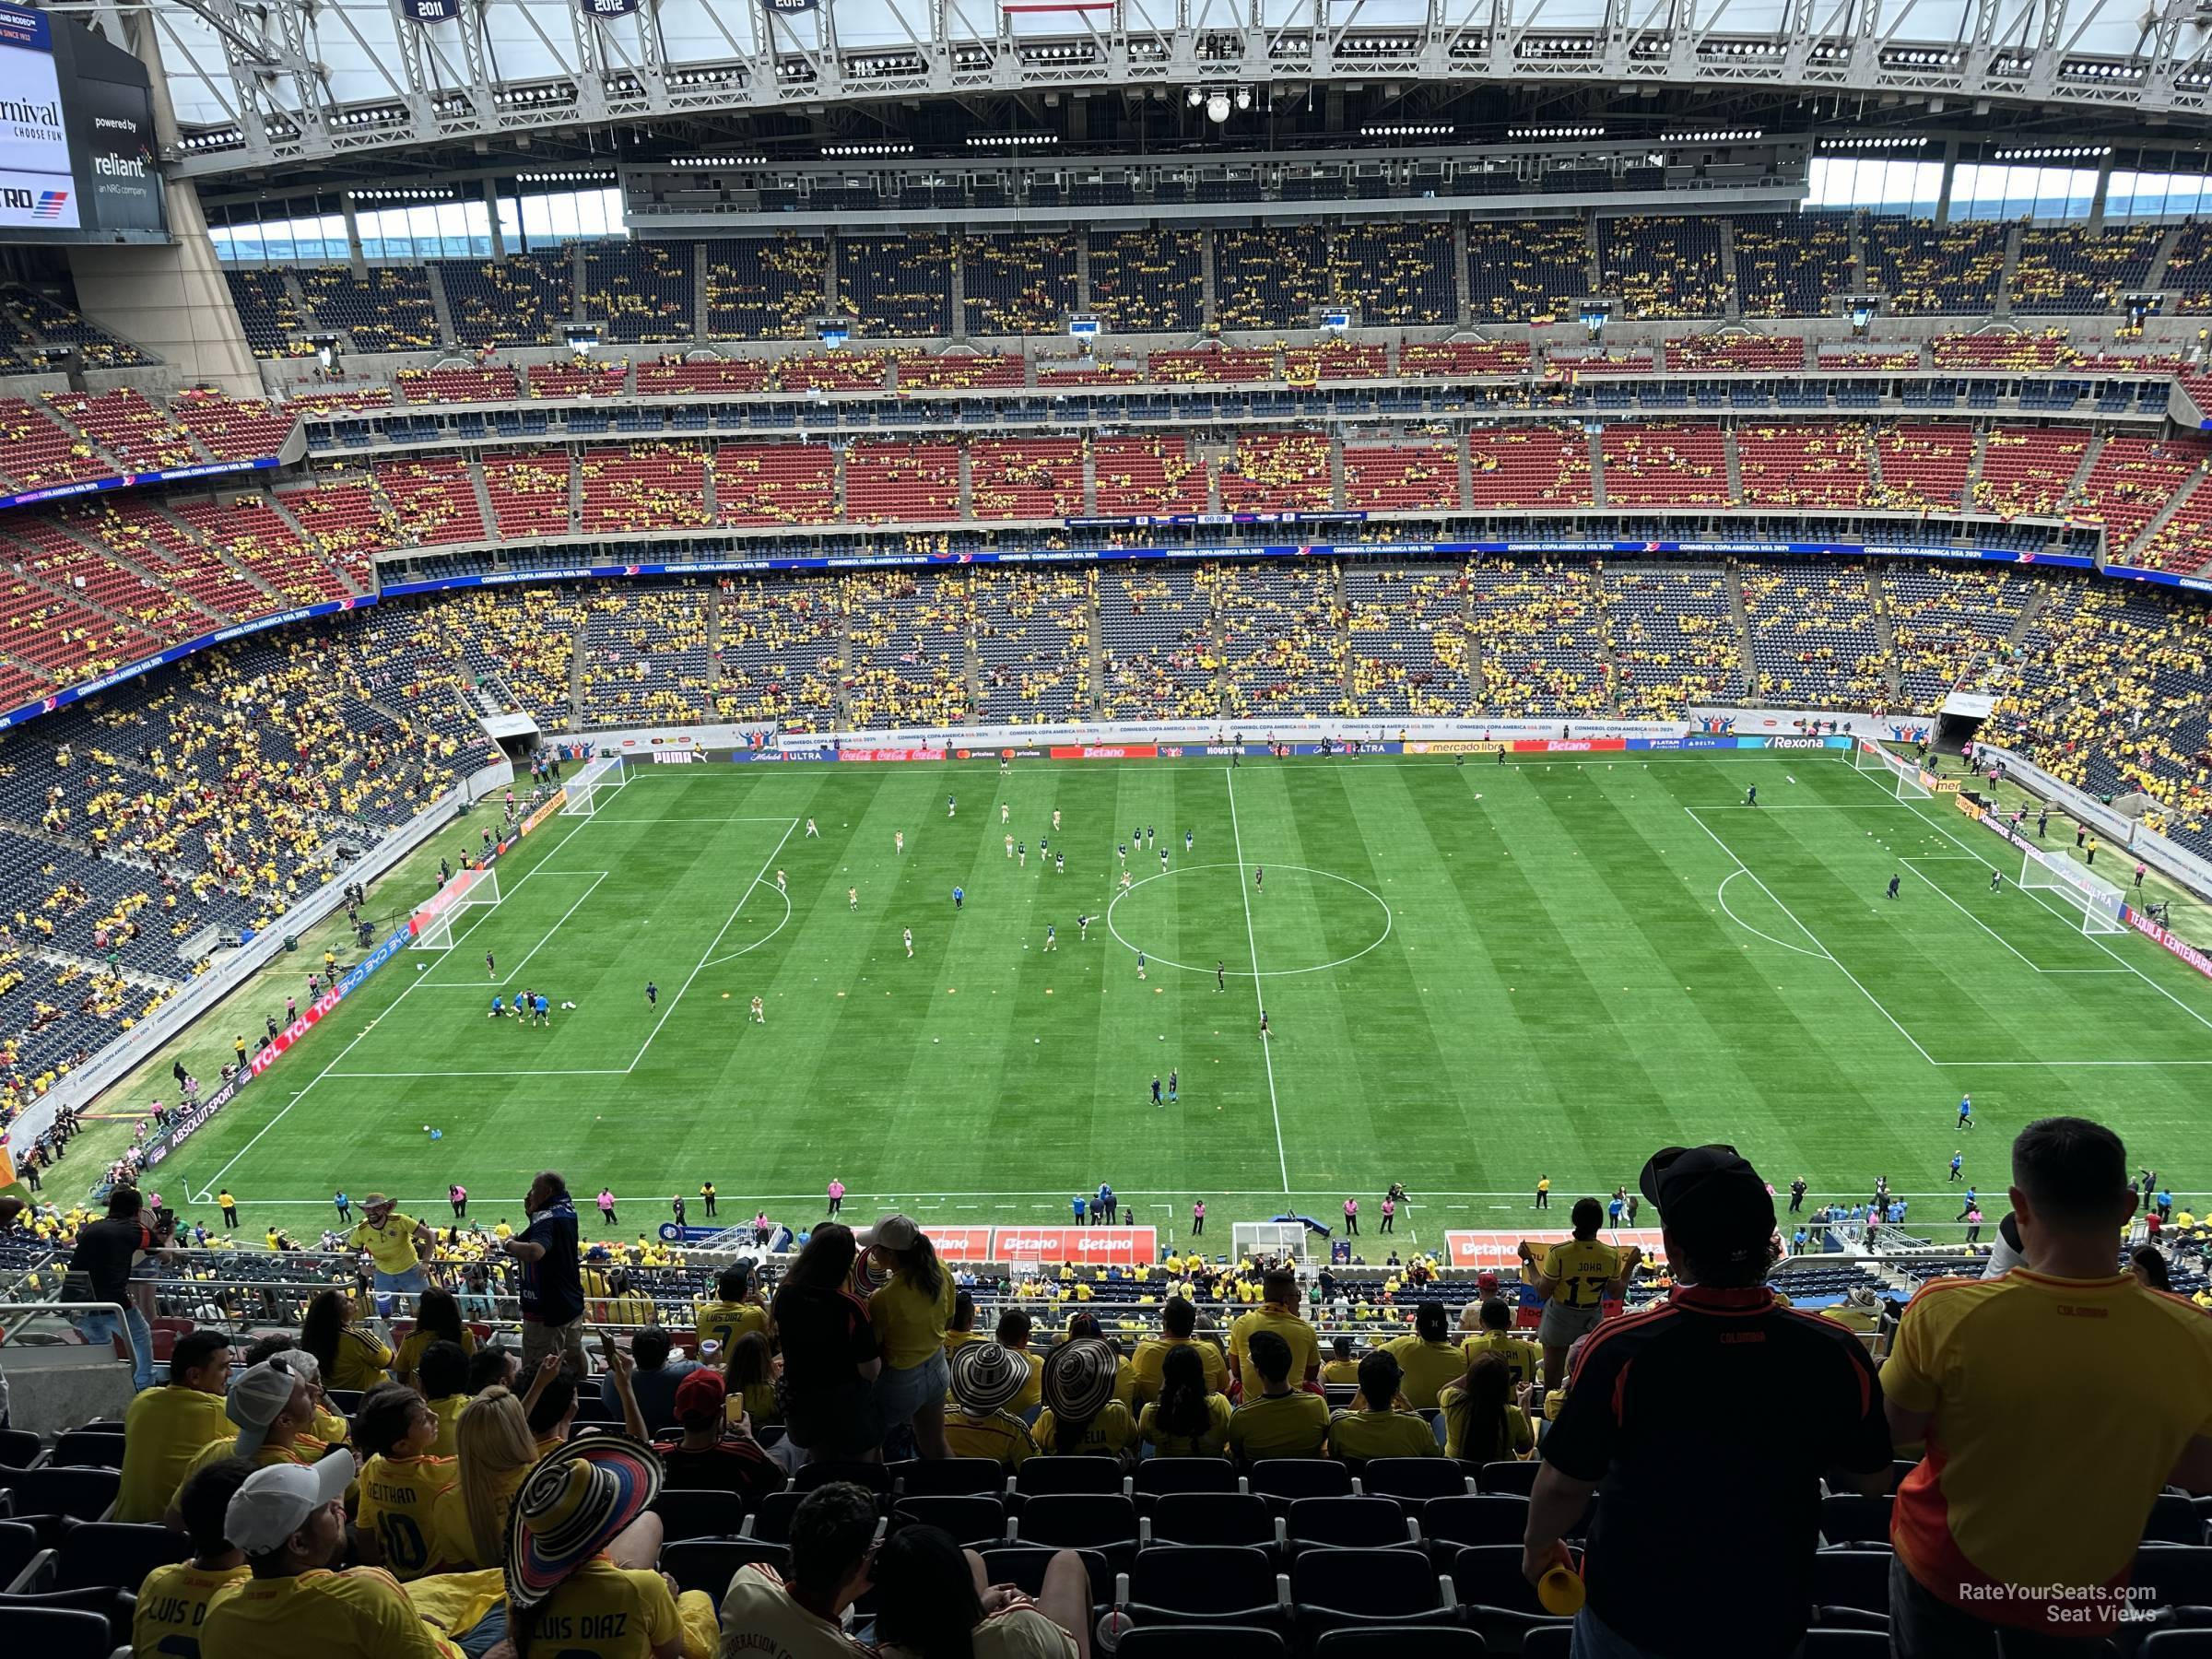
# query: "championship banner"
606 9
424 13
787 5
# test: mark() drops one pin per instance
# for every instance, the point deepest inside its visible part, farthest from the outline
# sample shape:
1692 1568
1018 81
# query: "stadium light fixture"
1216 107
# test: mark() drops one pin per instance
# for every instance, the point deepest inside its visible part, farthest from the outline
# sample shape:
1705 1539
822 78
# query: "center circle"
1224 909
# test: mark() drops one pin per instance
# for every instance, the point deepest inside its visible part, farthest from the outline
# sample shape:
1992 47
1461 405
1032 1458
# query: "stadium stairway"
1743 622
443 311
1731 303
2170 241
1885 629
1974 468
476 483
2011 270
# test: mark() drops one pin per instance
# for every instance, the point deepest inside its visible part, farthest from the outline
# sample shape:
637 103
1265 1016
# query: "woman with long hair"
497 1451
1481 1422
750 1376
347 1355
831 1358
932 1602
910 1313
437 1318
1186 1421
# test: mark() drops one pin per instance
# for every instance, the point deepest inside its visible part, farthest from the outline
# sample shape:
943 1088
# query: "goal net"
588 787
1901 778
1269 1241
2076 890
432 925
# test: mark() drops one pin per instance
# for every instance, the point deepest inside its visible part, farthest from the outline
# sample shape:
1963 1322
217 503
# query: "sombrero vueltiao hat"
571 1507
985 1375
1079 1379
868 1277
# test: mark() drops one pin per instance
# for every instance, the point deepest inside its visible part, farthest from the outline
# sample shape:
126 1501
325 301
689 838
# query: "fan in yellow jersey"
1188 1419
166 1429
274 1410
1575 1277
395 1245
1429 1360
1376 1430
736 1310
1081 1416
1178 1325
1278 1314
399 1481
581 1547
290 1522
174 1600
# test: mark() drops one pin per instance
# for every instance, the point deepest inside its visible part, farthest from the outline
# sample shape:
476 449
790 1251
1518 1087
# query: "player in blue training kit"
652 994
522 1006
497 1006
1751 795
958 898
543 1010
1966 1111
1155 1089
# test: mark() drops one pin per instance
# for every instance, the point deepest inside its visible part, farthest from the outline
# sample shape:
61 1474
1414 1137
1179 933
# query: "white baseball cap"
276 1503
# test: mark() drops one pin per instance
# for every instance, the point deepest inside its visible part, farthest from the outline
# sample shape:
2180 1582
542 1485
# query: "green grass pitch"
1472 974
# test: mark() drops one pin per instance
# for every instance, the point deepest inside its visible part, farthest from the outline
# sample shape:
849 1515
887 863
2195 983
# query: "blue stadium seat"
1191 1518
1331 1589
708 1563
975 1520
946 1477
1205 1583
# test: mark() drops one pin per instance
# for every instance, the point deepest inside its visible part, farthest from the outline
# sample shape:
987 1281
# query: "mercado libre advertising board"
78 159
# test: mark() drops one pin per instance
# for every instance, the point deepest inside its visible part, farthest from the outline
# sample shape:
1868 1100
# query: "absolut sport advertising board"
77 159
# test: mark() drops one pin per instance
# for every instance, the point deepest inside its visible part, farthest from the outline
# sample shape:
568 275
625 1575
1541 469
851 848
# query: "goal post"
431 927
2078 891
599 779
1905 780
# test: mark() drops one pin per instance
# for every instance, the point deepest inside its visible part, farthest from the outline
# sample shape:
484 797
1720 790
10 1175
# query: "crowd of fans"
836 1452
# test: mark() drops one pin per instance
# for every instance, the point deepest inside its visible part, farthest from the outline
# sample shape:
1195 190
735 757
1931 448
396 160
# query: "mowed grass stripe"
1488 1039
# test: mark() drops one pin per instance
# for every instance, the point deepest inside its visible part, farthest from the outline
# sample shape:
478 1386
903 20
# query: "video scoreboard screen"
77 157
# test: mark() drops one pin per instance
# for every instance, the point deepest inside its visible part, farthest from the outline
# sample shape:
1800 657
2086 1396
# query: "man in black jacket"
99 1271
1709 1421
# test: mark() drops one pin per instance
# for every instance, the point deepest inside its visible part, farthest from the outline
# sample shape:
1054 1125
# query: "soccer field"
1473 974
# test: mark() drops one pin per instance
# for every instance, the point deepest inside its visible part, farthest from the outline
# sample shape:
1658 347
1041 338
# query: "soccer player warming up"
760 1012
909 934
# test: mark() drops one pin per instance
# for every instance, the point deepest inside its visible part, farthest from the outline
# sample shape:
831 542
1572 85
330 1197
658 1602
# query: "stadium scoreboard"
78 161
